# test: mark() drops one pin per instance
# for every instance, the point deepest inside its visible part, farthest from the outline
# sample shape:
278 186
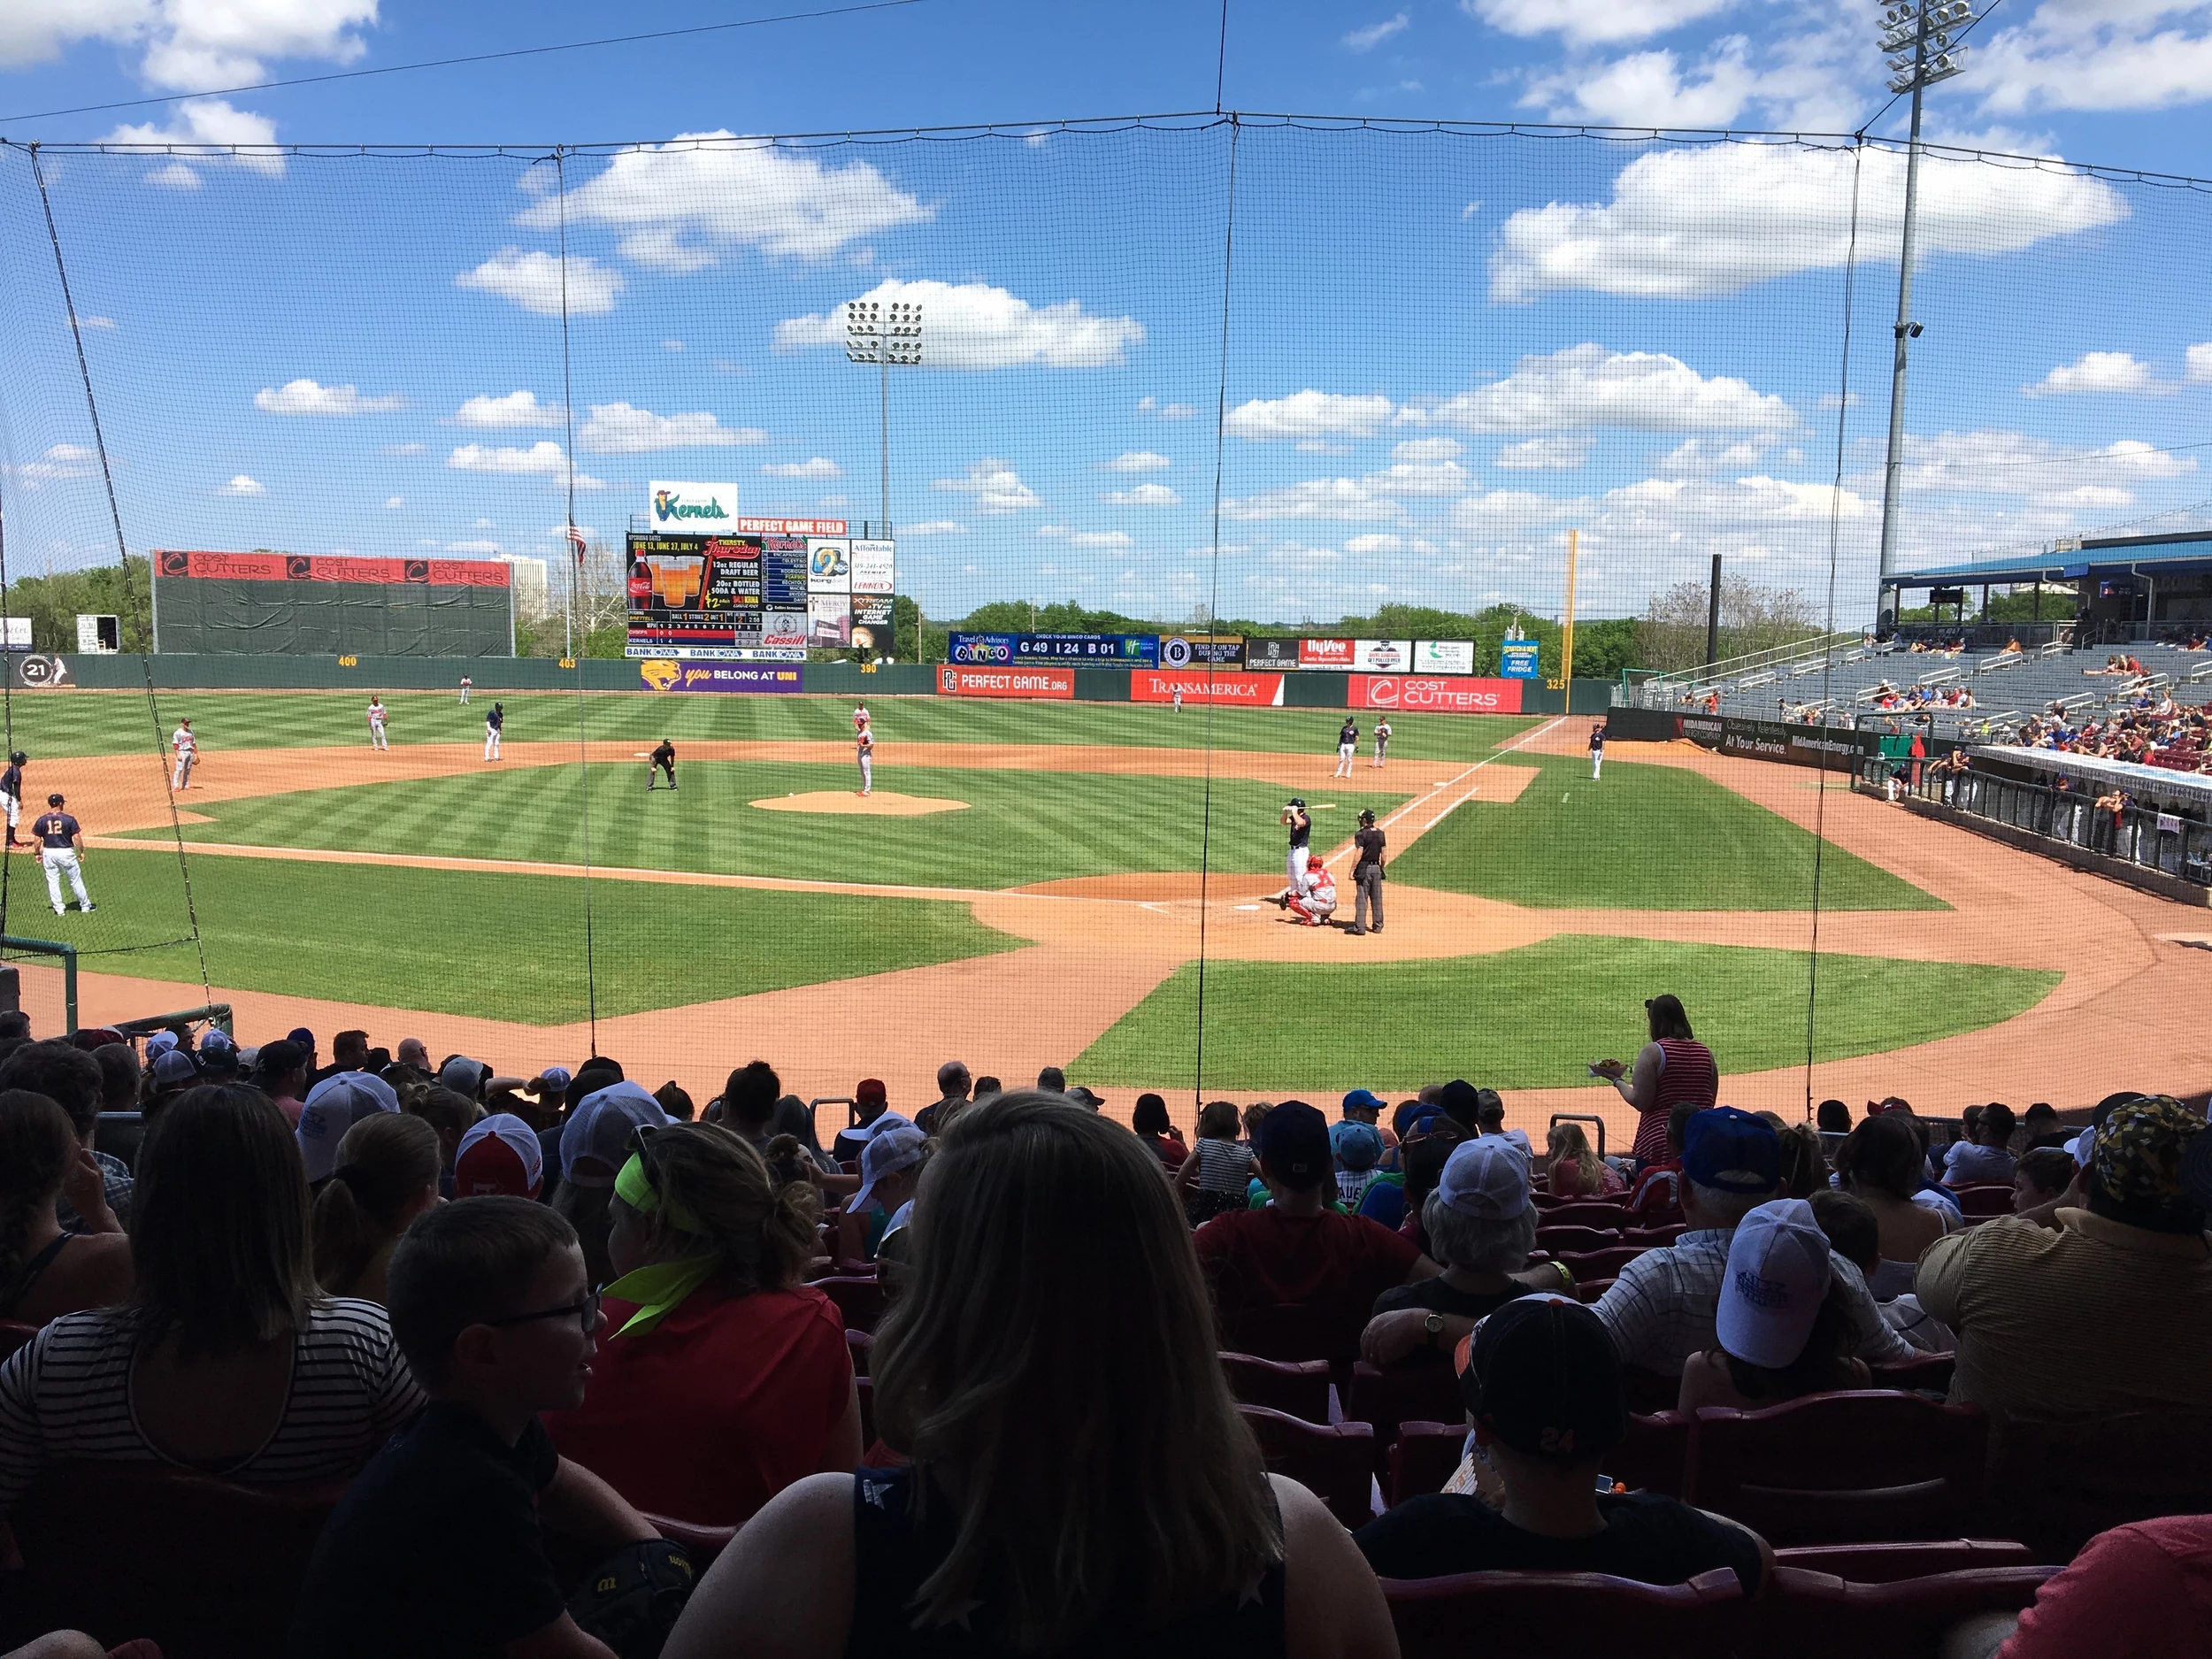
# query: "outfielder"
494 723
467 685
188 749
865 752
62 844
1317 901
1382 740
1347 746
11 792
1300 827
377 739
1597 750
1179 699
663 760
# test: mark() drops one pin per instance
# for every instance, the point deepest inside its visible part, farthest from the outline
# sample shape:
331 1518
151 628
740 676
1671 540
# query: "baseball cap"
1730 1151
499 1154
160 1042
869 1089
1293 1143
301 1035
1363 1100
333 1106
1777 1277
1544 1378
552 1081
1487 1178
1358 1147
172 1069
2141 1153
463 1075
889 1153
597 1132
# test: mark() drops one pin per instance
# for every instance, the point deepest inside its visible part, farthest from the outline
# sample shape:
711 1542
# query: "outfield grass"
499 947
51 724
1649 838
1535 1018
1018 828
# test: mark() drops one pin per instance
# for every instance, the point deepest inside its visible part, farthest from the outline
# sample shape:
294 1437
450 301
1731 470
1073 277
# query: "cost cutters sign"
1427 693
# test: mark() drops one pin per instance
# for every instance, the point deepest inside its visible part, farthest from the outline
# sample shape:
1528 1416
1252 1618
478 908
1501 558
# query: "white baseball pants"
62 861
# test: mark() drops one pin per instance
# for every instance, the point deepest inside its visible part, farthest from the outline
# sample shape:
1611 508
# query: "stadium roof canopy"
2152 555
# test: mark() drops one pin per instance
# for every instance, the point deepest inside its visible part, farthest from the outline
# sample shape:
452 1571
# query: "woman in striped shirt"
1672 1067
226 1359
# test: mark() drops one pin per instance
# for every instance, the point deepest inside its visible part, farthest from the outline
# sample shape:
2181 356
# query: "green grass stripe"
1533 1017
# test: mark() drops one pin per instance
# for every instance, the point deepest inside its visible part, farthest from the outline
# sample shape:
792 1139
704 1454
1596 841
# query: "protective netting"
1415 394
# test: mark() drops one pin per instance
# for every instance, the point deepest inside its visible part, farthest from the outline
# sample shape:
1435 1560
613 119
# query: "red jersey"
1689 1075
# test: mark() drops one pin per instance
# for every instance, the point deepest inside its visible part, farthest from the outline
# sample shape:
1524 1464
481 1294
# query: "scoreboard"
761 592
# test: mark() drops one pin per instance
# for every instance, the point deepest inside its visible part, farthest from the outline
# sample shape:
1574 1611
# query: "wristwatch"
1434 1325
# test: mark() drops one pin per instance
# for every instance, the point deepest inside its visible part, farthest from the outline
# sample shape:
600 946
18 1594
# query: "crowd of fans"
505 1311
2149 728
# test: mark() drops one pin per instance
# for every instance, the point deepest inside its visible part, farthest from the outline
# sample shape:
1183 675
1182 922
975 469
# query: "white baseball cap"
886 1154
1778 1277
499 1154
333 1106
1486 1177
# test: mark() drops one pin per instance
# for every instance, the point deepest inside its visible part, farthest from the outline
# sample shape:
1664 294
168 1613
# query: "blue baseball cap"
1293 1143
1358 1147
1732 1151
1363 1100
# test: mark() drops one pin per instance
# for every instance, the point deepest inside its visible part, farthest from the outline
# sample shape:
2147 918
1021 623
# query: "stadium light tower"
884 335
1918 36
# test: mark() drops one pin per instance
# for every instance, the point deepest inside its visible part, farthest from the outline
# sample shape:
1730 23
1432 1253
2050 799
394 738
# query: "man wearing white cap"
1781 1330
333 1106
890 1168
499 1154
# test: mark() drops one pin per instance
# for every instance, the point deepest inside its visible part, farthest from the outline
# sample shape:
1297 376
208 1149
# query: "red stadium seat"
1422 1457
1423 1390
1293 1330
1817 1616
1652 1237
1858 1466
1932 1372
1301 1388
2057 1483
861 1345
1888 1564
1565 1238
1655 1457
13 1335
1566 1616
1588 1290
1600 1263
1333 1461
1986 1198
860 1300
1584 1213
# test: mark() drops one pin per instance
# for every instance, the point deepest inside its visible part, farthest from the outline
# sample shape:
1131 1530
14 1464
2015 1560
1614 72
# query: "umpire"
663 760
1367 876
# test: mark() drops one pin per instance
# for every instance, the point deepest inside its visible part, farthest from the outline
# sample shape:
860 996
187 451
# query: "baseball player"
663 760
860 718
1382 740
11 792
1597 750
467 685
377 739
188 751
864 751
494 723
1346 745
1316 902
62 844
1179 699
1300 827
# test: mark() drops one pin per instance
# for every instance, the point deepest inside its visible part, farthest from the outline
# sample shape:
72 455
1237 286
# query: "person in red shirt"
2136 1591
724 1379
1297 1252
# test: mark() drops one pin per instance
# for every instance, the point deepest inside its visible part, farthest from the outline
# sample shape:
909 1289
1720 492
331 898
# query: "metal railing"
1705 675
2166 842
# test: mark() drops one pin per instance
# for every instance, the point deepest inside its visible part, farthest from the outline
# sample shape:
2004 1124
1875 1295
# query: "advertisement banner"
1275 656
1443 656
1382 657
692 595
1323 654
1519 659
829 565
953 681
1098 650
1827 748
1435 694
980 647
317 567
646 651
38 672
1259 691
872 563
661 673
872 625
1185 650
829 620
783 630
692 507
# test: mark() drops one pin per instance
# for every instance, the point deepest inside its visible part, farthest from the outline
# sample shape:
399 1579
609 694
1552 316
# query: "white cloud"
1375 34
1351 499
2098 495
1589 385
60 462
1699 456
392 502
1649 88
682 204
1419 478
2198 362
1084 538
672 345
1309 414
207 130
995 486
2098 372
1539 455
404 449
542 459
241 484
934 527
1166 412
1143 495
188 43
620 429
306 397
1585 22
175 176
531 280
977 327
1415 449
471 546
1145 461
484 524
509 409
2080 55
814 467
1988 462
1675 228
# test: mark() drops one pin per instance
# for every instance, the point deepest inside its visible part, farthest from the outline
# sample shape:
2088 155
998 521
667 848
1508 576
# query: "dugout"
284 604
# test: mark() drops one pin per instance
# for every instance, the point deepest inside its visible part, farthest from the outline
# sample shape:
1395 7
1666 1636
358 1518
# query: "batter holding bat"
1299 824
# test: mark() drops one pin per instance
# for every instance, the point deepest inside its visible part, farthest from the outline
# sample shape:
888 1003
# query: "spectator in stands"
953 1086
794 1118
1833 1117
44 1271
280 1070
2143 1591
1659 1188
1154 1530
437 1547
1254 1115
749 1103
349 1052
1659 1309
1432 1137
1543 1388
2110 1312
169 1075
227 1358
1296 1252
1149 1119
873 1115
890 1167
986 1086
1576 1172
1463 1104
1981 1156
1782 1328
74 1080
1879 1163
332 1107
723 1379
1213 1178
451 1115
387 1175
1052 1079
1854 1235
499 1155
594 1141
1672 1066
2039 1123
1804 1168
2041 1178
676 1101
1357 1149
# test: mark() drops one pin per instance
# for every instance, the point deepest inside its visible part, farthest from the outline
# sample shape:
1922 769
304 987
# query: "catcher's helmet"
1313 862
1367 818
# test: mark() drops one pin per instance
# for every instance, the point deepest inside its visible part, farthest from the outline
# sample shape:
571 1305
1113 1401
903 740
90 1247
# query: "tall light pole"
1917 35
884 335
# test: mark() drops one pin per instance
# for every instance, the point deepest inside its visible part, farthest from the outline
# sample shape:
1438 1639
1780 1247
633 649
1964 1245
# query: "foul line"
1526 737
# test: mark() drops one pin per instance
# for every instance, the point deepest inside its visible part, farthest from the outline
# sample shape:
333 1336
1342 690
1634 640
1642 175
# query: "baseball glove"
634 1597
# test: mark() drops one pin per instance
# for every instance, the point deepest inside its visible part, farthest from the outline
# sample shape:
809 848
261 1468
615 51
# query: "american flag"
576 540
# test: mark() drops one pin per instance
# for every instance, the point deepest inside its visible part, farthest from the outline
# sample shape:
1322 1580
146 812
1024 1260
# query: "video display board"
749 593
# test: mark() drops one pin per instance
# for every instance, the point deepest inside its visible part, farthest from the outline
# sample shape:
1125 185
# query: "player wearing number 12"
62 851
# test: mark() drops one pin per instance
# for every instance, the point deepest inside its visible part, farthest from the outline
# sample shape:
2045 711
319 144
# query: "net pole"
583 751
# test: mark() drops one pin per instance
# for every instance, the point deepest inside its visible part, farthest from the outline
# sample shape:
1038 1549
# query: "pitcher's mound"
882 803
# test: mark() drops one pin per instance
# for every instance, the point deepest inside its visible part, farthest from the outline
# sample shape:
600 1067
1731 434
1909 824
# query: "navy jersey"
55 829
1349 734
495 719
11 782
1597 740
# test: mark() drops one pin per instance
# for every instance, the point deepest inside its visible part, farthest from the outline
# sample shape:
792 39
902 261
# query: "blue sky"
1445 350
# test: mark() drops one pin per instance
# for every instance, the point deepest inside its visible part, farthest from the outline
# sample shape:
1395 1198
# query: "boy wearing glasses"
435 1547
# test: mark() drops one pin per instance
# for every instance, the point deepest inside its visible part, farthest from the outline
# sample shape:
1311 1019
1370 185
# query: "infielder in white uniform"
1597 751
188 749
377 738
467 685
864 751
494 723
1382 740
1179 699
62 845
1347 746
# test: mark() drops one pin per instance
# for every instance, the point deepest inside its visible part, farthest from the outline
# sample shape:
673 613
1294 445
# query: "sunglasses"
585 1313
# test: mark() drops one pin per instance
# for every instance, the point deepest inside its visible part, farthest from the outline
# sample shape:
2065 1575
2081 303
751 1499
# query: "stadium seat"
1858 1466
1655 1457
1422 1458
1649 1391
1652 1237
1300 1387
866 1388
202 1566
860 1300
1599 1263
1888 1564
1818 1615
13 1335
1423 1390
1566 1616
1984 1199
1588 1290
862 1345
1563 1237
2057 1483
1584 1213
1293 1330
1932 1372
1333 1461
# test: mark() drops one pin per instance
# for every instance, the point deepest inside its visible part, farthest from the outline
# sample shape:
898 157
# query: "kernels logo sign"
678 506
660 675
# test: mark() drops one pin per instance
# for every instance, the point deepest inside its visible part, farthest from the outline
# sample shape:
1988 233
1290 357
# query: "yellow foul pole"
1567 627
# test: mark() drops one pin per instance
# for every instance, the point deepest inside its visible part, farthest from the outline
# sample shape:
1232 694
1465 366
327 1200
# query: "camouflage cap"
2140 1154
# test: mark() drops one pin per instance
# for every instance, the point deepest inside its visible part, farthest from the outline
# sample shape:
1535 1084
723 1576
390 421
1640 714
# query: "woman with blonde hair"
1575 1170
387 1175
722 1379
1080 1479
